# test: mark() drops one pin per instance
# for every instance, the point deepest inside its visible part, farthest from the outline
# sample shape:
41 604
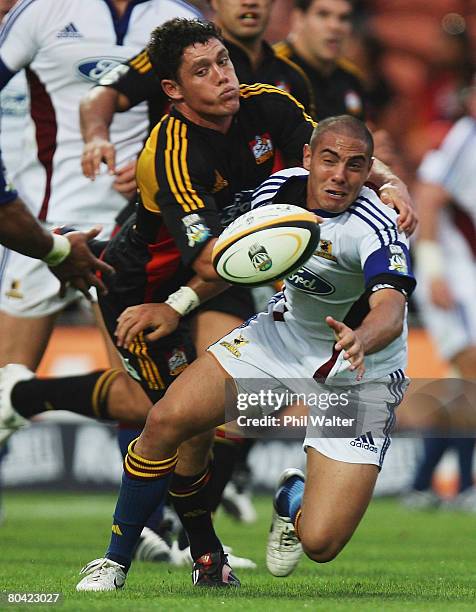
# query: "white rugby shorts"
359 423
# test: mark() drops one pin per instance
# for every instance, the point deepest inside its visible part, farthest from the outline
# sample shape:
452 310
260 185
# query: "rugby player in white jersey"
352 324
66 47
445 262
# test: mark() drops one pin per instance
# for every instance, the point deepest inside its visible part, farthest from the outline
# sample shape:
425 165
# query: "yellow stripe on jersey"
176 169
146 174
282 49
141 63
188 183
247 91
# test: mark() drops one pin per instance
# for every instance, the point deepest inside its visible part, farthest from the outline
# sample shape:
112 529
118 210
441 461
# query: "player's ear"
306 157
172 90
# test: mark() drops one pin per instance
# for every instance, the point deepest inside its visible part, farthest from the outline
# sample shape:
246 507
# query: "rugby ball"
265 244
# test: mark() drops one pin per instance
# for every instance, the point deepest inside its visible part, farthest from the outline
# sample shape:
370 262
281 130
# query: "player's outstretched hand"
162 318
348 341
97 151
78 270
396 195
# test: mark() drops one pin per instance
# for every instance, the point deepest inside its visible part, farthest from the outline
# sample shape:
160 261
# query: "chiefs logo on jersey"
262 148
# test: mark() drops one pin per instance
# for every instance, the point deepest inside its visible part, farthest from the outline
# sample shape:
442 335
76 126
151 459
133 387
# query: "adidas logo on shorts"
366 442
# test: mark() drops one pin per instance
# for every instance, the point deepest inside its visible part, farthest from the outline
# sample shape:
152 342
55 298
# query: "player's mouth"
334 45
336 194
250 18
230 93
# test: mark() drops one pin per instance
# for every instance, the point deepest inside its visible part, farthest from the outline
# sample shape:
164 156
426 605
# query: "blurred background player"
446 268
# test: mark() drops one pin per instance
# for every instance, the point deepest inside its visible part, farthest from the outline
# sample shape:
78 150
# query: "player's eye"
201 72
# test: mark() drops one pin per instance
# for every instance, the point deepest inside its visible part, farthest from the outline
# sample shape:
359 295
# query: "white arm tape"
184 300
429 259
59 251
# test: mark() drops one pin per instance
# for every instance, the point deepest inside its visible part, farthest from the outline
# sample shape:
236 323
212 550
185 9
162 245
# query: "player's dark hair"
168 42
303 5
344 124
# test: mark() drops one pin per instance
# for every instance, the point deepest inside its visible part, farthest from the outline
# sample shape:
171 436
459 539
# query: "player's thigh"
217 317
211 325
24 340
202 398
335 499
113 354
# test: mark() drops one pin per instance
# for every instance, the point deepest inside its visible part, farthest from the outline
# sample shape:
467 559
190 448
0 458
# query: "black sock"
85 394
225 455
191 499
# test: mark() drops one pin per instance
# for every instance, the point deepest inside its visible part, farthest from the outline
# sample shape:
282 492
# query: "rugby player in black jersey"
216 145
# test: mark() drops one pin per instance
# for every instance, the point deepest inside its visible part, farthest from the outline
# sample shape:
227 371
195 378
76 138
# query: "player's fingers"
337 326
134 331
95 281
109 157
93 232
79 283
159 332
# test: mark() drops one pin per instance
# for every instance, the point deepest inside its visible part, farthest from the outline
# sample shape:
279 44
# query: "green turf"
396 560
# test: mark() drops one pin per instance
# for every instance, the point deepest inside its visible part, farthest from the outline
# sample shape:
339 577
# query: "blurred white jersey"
15 113
453 167
66 46
360 250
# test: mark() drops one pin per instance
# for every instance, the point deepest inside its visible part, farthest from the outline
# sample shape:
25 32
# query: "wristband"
428 259
59 251
184 300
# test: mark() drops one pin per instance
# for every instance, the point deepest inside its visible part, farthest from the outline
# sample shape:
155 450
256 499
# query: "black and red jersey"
193 181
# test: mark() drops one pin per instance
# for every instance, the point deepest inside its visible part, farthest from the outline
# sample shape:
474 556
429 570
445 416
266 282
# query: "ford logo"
93 68
309 282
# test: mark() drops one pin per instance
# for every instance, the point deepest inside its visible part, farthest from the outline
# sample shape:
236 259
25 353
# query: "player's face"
207 86
339 165
324 27
242 19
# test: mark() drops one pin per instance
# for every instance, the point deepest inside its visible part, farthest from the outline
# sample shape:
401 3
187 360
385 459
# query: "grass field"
397 560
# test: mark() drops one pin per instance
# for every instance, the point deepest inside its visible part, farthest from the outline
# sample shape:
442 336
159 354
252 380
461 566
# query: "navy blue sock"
465 449
145 485
125 436
433 451
289 498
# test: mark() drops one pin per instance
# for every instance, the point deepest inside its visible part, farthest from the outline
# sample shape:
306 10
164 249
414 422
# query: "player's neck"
218 123
120 6
253 48
324 67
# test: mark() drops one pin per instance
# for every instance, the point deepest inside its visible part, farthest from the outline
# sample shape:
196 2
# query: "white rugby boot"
102 575
152 547
10 420
284 548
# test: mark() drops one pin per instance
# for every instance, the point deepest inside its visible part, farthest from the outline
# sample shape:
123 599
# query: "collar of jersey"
326 213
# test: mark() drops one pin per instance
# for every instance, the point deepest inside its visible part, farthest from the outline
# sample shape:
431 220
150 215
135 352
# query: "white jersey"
66 46
453 167
360 249
15 113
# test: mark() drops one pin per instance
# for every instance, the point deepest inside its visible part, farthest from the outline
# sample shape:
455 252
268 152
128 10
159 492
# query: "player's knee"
164 422
321 548
127 401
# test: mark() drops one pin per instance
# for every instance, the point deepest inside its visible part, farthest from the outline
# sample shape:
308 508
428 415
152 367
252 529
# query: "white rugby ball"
265 244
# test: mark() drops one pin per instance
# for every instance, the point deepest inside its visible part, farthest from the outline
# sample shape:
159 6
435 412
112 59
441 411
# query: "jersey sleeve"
135 79
384 253
21 33
290 126
175 183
